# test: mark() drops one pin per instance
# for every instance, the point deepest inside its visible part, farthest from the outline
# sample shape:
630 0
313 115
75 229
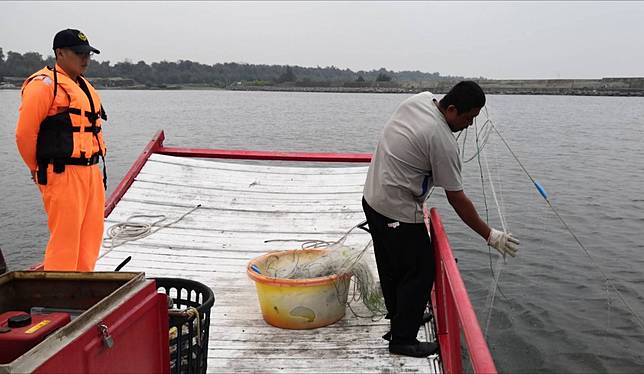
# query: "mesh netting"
340 259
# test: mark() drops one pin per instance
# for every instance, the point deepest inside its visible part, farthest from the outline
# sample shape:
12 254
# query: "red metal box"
123 329
20 331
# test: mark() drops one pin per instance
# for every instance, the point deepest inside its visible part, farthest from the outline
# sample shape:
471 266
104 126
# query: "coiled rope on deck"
124 232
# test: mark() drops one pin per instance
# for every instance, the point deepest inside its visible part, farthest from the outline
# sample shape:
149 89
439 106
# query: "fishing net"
336 258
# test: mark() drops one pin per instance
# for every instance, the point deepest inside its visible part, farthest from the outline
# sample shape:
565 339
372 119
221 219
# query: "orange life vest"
73 136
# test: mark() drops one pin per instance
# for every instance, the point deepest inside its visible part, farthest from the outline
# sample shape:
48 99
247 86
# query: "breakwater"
581 87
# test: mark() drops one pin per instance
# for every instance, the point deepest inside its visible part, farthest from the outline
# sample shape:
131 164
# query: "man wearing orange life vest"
60 140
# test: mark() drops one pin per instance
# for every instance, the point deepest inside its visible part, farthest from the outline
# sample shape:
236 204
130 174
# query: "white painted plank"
245 178
141 259
239 201
187 179
206 218
173 241
130 206
214 243
253 196
366 362
233 205
262 166
242 235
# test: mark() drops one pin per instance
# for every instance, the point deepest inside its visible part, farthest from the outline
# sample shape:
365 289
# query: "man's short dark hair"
465 96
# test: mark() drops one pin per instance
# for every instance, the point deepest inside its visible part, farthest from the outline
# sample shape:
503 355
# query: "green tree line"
14 64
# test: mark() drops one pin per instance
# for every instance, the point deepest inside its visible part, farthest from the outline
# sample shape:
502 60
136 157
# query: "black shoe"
418 349
428 316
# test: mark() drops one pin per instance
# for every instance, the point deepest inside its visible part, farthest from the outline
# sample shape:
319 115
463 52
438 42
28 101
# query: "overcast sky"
491 39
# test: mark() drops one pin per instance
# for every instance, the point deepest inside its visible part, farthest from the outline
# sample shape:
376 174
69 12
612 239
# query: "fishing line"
500 262
487 213
486 130
484 133
544 194
495 277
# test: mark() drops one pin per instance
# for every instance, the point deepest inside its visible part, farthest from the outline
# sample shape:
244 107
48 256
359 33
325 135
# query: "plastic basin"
297 303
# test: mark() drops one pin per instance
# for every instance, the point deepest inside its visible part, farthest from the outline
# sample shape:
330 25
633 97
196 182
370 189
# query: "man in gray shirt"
417 151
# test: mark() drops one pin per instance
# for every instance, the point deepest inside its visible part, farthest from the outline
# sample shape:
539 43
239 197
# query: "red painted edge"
265 155
152 147
480 356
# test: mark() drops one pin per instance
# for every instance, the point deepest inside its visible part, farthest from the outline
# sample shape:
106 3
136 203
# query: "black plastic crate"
188 334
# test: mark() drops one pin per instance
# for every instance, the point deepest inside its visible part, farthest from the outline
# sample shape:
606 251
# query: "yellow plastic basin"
297 303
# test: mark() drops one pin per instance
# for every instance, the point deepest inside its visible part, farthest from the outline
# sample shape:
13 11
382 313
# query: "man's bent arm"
36 100
465 209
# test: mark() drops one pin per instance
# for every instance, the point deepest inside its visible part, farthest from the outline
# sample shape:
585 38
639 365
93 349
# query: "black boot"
417 349
427 316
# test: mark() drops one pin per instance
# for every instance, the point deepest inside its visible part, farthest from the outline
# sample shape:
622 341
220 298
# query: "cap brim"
84 49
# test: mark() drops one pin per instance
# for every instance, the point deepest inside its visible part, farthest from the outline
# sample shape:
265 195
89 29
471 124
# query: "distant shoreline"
638 93
488 90
623 87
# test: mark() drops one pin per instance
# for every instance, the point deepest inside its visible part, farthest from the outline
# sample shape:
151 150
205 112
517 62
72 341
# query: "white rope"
123 232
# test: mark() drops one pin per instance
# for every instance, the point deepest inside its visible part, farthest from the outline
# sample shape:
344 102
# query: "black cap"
74 40
21 320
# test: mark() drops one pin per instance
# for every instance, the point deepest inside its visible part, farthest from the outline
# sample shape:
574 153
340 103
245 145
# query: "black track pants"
405 262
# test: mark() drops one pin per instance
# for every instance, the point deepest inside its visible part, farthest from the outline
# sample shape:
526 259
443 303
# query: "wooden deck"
242 206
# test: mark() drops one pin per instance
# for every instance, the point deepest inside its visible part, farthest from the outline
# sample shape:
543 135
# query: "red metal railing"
152 147
453 309
156 146
264 155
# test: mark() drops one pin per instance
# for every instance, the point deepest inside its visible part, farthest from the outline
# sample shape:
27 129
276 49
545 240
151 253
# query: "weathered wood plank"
188 180
234 236
143 259
212 248
296 339
244 178
356 362
251 196
225 220
207 250
261 167
260 207
238 201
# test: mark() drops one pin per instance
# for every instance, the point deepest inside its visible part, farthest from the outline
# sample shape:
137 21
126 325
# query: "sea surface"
554 310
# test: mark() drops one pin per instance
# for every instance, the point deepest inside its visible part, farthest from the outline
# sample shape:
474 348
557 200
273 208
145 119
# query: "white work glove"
502 242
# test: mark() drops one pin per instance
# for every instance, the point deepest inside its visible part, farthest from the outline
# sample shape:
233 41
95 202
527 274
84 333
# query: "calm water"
554 313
